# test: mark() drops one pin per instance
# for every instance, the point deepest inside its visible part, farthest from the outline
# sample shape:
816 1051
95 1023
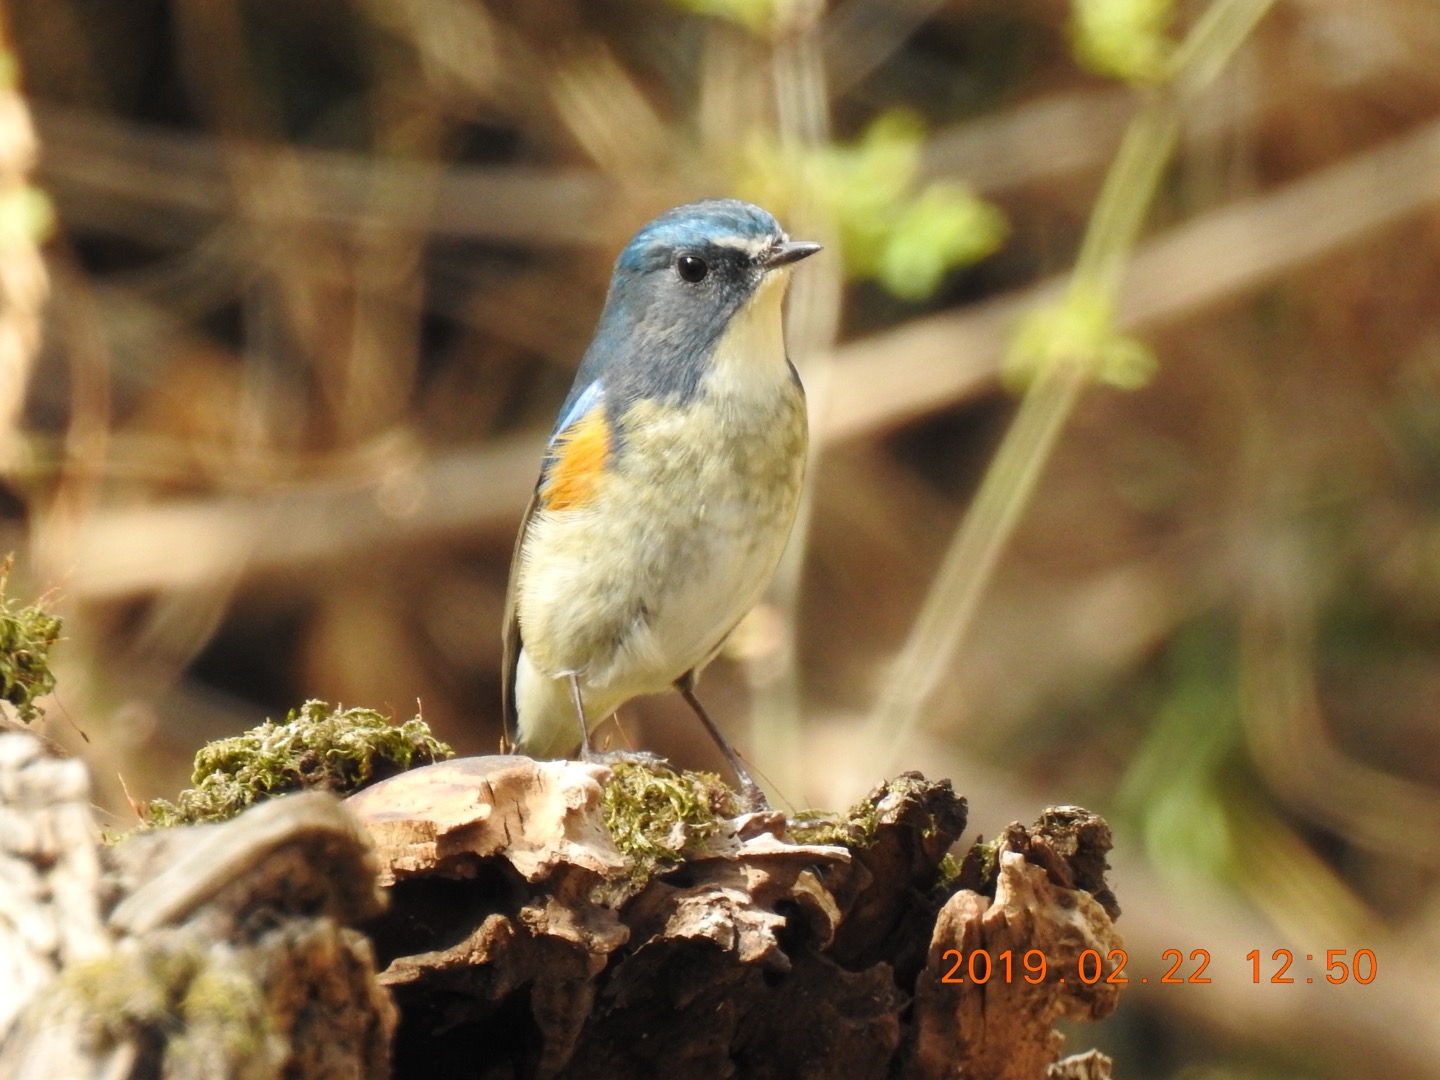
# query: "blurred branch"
802 98
1035 141
876 384
1284 716
187 543
139 180
861 35
893 378
1062 369
1355 1027
24 220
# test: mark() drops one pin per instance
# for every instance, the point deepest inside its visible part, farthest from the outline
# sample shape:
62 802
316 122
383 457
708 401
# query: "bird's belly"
644 582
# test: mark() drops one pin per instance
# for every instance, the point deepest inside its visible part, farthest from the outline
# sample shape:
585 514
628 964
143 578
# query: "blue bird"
670 483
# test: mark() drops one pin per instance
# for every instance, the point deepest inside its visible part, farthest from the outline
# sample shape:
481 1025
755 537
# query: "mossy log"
500 917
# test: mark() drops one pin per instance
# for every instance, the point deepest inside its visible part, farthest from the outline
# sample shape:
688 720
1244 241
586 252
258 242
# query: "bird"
669 485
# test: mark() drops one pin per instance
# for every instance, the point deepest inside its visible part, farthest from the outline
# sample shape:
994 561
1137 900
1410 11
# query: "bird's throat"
750 356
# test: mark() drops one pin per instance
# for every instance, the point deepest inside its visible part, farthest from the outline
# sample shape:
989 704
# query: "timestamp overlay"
1278 968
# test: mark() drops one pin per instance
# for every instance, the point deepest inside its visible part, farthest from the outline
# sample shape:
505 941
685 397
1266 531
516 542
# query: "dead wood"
520 939
521 942
49 872
212 951
1045 949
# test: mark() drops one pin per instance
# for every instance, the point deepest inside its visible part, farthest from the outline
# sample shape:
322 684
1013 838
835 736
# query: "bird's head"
688 278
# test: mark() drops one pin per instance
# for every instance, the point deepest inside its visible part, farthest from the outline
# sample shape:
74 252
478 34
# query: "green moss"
855 830
319 747
980 867
26 635
949 869
129 990
655 813
227 1021
211 1012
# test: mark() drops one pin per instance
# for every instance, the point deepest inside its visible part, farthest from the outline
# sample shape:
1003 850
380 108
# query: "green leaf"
890 232
26 217
1079 330
758 16
1123 39
946 226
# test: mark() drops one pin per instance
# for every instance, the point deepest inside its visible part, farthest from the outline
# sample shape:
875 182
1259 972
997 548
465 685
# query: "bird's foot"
752 798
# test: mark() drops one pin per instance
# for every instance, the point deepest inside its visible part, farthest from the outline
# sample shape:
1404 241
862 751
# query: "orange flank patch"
577 459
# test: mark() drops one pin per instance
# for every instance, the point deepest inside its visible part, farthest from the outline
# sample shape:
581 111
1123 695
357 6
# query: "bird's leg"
609 757
585 754
749 790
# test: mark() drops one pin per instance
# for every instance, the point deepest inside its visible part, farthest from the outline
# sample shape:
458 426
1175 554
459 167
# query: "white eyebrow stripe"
749 245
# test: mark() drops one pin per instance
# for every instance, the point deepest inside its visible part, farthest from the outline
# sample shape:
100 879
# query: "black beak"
792 251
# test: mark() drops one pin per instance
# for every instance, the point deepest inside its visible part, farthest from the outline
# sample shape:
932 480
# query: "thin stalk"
1130 186
802 121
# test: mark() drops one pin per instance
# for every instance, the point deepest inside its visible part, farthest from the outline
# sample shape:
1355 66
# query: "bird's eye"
691 268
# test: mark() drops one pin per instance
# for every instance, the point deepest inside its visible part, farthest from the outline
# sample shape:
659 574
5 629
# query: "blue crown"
658 331
699 225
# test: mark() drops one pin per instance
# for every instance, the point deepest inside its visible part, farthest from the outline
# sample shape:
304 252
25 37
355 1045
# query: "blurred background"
319 274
